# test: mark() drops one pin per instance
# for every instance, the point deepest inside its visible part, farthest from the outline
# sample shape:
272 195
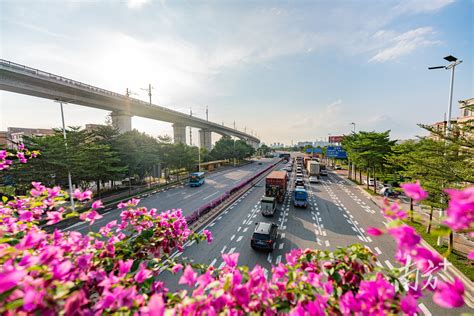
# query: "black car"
264 236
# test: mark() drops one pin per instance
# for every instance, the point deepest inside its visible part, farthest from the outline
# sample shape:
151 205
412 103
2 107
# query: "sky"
286 71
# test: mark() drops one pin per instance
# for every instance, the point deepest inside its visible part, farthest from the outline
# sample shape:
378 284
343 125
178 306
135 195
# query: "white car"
313 179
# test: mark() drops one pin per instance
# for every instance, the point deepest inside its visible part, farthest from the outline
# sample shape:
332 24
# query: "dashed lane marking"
213 262
424 309
223 249
389 264
378 250
231 250
240 238
232 237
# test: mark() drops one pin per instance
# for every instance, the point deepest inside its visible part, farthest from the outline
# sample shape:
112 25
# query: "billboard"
336 139
336 152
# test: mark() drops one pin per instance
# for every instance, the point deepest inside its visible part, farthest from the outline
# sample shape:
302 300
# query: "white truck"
268 205
313 167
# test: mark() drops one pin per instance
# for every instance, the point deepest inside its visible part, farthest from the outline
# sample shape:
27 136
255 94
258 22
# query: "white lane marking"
283 235
212 224
424 309
221 265
213 262
191 243
281 246
244 221
269 258
327 243
240 238
265 272
278 260
389 264
378 250
238 229
245 229
379 264
231 250
223 249
210 195
219 218
232 237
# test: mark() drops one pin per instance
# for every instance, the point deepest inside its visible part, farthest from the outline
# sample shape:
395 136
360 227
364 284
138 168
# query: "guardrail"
194 216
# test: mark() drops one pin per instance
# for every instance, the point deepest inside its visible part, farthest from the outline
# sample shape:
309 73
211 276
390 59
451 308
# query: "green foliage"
227 148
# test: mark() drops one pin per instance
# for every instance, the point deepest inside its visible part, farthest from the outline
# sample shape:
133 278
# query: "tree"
369 150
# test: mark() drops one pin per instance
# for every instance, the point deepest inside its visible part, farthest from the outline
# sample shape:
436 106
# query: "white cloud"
403 44
137 4
421 6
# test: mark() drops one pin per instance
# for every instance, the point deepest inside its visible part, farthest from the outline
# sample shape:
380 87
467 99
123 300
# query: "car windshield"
258 236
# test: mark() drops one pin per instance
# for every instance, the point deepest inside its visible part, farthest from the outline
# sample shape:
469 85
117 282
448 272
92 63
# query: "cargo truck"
313 167
275 185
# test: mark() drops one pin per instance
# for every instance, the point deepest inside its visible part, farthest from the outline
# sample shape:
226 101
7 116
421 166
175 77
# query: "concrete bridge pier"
122 120
205 140
179 132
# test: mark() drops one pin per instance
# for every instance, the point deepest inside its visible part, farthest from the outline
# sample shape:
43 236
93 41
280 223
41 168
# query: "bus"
196 179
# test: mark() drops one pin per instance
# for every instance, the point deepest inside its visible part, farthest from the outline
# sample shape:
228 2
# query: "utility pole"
234 124
128 92
65 144
148 90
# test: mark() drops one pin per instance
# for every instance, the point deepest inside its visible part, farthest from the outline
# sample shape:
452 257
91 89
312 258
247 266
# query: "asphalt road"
338 215
184 197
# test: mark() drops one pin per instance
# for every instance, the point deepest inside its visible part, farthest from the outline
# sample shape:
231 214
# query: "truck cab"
268 205
300 198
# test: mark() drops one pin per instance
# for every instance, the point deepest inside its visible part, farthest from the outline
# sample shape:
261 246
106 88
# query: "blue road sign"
336 152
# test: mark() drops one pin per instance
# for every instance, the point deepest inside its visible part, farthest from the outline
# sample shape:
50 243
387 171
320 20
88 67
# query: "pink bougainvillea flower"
460 211
208 235
409 305
449 295
54 192
470 256
231 259
176 268
97 204
405 236
156 306
54 217
10 279
143 273
414 191
189 276
84 261
374 231
81 196
426 261
90 216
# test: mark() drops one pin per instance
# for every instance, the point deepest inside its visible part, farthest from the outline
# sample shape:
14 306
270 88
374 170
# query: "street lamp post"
65 143
353 127
453 63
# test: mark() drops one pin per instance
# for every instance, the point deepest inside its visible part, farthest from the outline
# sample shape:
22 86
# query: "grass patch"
370 191
458 260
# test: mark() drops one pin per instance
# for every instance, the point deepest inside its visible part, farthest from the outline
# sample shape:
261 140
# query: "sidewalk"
462 243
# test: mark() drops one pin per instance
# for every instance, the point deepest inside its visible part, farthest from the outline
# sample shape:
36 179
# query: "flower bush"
117 270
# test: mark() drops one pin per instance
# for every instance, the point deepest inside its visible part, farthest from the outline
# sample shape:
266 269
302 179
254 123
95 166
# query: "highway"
184 197
338 215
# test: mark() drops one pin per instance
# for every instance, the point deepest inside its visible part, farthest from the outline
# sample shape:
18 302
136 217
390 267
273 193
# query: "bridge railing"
75 83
